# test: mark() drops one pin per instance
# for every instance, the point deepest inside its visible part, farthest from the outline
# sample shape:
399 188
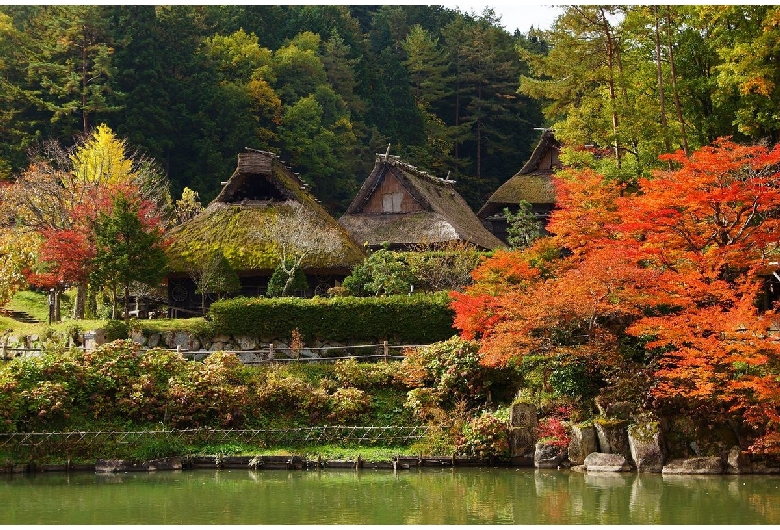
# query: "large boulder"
181 340
583 442
606 462
548 456
137 336
246 343
613 437
645 441
700 465
522 429
94 338
523 415
738 462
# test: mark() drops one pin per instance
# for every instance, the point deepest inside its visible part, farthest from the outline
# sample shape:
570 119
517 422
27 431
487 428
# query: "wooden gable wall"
549 161
391 197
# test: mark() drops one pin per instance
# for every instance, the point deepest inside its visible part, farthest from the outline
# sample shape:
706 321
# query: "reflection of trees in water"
416 496
462 496
553 496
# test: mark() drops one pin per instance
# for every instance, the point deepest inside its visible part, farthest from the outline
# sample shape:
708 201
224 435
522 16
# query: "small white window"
391 202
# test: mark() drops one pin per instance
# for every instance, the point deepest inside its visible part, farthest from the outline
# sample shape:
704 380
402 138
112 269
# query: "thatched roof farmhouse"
533 184
402 206
262 191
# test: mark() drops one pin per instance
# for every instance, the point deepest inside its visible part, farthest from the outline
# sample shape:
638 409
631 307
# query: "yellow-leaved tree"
63 192
102 160
18 252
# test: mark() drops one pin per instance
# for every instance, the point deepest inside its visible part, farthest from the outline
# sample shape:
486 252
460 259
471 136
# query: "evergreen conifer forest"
327 87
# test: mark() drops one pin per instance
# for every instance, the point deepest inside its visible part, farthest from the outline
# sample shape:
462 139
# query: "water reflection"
424 496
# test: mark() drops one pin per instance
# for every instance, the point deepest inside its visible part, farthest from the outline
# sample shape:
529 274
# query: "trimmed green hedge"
403 319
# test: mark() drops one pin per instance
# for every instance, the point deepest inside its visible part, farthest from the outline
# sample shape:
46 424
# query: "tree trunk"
479 132
84 83
670 47
57 298
660 79
127 303
612 98
80 301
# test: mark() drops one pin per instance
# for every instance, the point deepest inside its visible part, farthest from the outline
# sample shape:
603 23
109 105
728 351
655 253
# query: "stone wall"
191 346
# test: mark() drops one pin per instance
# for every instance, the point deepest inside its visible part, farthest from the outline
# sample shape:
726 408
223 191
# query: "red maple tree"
65 258
676 264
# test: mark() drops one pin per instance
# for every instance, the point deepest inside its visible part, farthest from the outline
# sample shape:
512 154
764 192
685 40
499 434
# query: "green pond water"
418 496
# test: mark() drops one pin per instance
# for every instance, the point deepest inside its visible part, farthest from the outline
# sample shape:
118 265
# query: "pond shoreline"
288 462
298 462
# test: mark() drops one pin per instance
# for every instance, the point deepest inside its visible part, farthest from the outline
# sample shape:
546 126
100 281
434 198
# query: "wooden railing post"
386 348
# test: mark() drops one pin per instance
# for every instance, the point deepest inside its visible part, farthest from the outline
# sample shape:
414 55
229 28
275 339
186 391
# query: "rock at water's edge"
606 462
702 465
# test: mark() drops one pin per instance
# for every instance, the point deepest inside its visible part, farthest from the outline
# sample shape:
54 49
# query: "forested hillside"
640 81
325 87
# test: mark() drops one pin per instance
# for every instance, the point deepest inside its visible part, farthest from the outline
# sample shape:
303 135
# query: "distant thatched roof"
533 183
260 189
439 214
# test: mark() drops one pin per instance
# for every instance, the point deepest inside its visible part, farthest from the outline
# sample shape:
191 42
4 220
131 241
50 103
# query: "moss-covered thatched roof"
533 183
260 189
443 215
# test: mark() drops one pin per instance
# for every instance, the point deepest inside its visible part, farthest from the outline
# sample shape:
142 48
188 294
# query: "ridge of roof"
442 205
530 183
546 142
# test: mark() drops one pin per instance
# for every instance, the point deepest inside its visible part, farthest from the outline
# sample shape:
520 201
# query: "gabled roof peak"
395 161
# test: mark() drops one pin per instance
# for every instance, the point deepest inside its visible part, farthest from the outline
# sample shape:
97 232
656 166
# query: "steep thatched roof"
261 189
432 212
533 183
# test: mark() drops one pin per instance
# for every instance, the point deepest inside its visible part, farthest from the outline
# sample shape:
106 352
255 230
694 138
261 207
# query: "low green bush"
350 373
118 386
450 371
486 435
347 405
417 319
115 330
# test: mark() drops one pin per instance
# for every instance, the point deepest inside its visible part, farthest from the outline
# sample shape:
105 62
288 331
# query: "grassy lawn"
36 305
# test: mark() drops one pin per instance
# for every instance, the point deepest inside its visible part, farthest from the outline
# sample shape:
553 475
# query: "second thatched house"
262 212
402 207
532 184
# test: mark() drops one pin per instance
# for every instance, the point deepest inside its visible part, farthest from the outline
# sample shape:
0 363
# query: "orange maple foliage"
64 258
675 264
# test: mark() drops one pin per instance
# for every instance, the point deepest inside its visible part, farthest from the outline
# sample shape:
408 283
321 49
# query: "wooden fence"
270 354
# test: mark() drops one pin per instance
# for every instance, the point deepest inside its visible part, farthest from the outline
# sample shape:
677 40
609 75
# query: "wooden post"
271 351
386 349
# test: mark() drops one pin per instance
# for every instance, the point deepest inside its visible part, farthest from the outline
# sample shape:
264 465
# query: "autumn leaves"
672 265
